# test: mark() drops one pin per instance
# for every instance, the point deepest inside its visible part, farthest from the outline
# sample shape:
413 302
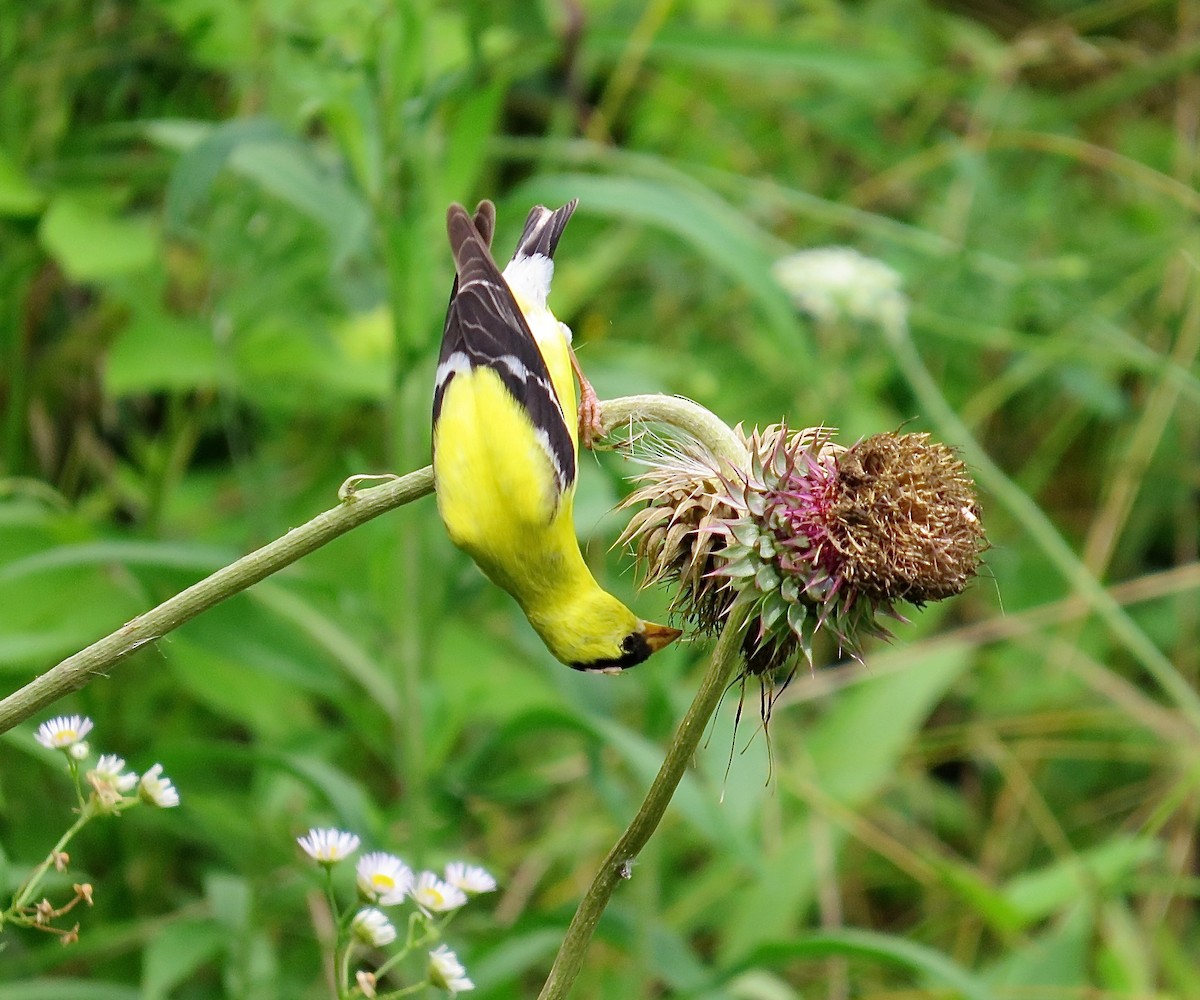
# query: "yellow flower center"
381 881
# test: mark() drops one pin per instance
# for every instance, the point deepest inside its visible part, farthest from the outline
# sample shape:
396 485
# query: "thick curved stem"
356 508
617 865
692 418
720 439
76 671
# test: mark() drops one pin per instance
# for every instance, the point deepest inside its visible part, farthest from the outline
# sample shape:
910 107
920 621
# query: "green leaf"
268 706
67 989
1056 958
693 799
230 899
290 171
932 967
862 68
892 709
19 198
159 352
261 150
206 149
711 227
518 954
851 770
472 124
159 555
1036 895
175 952
345 796
93 242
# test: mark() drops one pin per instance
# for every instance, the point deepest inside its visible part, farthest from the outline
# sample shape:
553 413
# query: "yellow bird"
505 443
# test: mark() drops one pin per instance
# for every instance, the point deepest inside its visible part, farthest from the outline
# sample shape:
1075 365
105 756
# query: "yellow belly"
496 492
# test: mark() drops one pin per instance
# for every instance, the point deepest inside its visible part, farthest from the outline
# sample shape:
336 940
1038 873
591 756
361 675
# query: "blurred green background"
223 273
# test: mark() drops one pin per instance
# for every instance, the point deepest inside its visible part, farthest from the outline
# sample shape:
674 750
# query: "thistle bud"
809 534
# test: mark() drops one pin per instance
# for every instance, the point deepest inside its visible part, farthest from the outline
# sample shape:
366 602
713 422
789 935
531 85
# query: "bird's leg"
591 426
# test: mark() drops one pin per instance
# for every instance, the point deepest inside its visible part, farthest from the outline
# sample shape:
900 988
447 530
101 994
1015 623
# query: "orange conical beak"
658 636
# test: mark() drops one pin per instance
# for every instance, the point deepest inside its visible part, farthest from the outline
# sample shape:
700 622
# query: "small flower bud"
327 846
471 879
157 790
446 972
372 927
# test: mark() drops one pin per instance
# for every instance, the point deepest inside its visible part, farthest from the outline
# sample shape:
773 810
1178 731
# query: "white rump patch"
529 278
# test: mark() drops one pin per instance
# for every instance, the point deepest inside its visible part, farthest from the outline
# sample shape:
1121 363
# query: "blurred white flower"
328 846
110 781
63 732
79 751
470 878
383 878
111 768
446 972
433 895
157 790
372 927
832 283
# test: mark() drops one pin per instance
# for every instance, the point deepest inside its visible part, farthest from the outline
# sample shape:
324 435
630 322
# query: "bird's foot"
591 422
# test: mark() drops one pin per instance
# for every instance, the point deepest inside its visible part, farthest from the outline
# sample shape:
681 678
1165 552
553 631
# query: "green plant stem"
692 418
721 671
78 670
30 885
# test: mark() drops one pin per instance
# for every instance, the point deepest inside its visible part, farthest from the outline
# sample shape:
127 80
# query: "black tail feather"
543 230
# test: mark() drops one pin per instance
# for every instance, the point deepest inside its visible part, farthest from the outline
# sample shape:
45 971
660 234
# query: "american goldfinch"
505 444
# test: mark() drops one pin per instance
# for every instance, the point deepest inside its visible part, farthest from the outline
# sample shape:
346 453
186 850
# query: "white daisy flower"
372 927
157 790
327 845
446 972
433 895
470 878
63 732
383 878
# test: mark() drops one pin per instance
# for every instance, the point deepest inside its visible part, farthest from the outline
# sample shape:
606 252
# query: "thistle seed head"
810 534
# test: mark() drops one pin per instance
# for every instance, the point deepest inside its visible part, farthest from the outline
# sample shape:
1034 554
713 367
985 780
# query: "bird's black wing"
485 328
